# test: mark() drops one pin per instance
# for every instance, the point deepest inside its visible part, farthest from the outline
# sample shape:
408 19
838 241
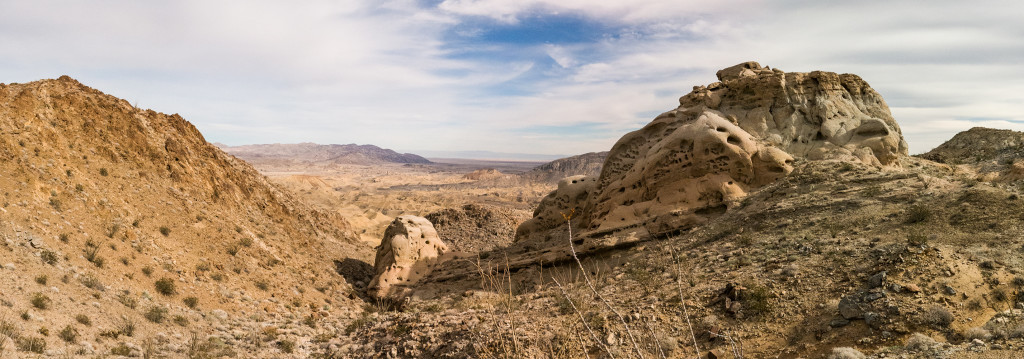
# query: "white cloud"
383 73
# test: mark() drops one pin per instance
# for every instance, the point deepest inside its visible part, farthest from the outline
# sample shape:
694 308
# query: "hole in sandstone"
733 140
720 129
819 137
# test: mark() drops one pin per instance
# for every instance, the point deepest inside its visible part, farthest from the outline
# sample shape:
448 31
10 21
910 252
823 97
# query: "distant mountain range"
490 155
321 154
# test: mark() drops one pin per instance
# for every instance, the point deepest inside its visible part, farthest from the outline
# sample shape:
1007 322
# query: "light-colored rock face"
723 141
694 166
815 115
571 195
409 250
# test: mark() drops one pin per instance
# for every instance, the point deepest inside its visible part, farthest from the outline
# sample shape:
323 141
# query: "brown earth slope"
129 218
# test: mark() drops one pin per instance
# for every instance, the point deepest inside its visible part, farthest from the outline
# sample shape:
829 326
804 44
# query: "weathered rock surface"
572 193
723 141
814 115
587 164
409 250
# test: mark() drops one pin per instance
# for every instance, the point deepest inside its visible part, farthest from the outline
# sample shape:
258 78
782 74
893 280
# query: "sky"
554 77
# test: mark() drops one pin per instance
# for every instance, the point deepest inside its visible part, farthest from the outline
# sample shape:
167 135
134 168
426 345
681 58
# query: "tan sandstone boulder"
723 141
409 250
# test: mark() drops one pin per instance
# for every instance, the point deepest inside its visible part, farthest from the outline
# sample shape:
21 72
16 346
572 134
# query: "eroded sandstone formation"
723 141
409 250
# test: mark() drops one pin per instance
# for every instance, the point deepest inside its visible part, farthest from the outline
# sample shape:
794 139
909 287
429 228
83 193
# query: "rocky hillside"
979 145
772 214
588 164
124 231
312 153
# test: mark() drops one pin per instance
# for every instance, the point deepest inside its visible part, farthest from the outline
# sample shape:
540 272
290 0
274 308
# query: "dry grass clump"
978 333
920 342
31 344
69 334
937 315
156 314
191 301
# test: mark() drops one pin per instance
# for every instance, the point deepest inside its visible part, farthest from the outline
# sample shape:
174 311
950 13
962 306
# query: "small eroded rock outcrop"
409 250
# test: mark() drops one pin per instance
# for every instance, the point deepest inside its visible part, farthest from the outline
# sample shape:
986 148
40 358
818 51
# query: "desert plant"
41 279
165 286
121 349
245 242
126 298
31 344
180 320
917 214
262 284
104 172
164 230
938 315
49 257
40 301
91 282
84 319
156 314
64 237
286 345
147 270
69 334
191 301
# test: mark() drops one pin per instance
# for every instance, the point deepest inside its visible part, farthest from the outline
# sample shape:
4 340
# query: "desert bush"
233 249
203 267
121 349
9 329
84 319
180 320
164 230
104 172
41 279
31 344
49 257
69 334
125 261
262 284
918 213
938 315
156 314
147 270
757 299
126 298
191 301
286 345
245 242
40 300
127 327
64 237
91 282
165 286
846 353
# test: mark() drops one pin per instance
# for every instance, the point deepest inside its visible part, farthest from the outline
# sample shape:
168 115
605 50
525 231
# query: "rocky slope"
588 164
816 237
312 153
117 218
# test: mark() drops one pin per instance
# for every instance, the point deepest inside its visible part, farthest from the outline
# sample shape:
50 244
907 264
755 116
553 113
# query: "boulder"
724 140
409 250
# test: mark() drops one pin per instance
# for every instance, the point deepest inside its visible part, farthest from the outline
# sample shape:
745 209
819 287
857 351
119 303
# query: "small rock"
838 322
849 307
876 280
948 290
912 288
